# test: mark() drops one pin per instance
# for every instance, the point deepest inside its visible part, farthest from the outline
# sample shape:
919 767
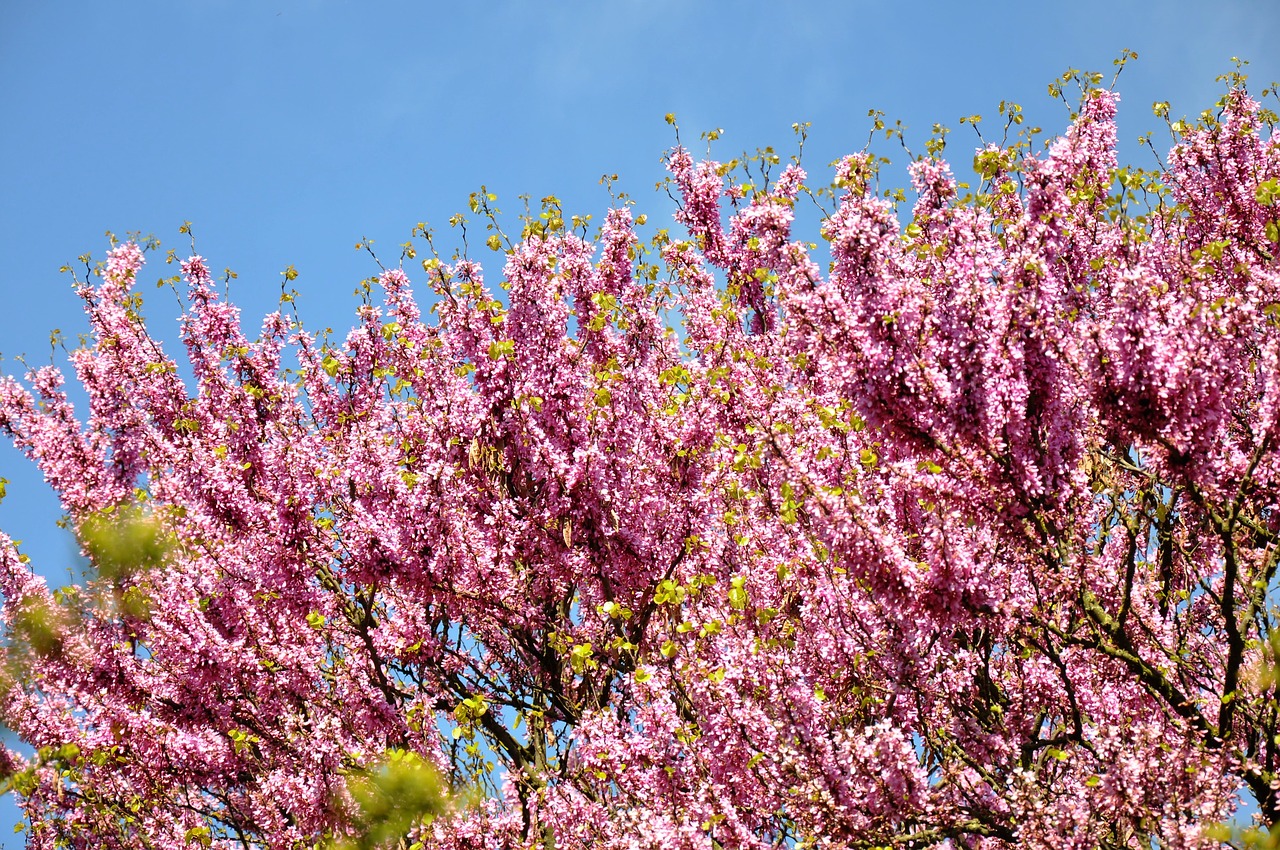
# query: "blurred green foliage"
401 793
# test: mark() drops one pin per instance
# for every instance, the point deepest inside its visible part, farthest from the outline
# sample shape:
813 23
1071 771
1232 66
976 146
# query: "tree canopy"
961 531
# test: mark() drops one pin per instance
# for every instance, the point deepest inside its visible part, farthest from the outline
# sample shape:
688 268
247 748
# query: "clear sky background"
287 130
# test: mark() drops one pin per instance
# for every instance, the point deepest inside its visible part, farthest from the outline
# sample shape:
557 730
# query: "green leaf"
201 835
669 592
1268 191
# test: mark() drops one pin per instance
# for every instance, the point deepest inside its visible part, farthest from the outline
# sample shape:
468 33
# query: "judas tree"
958 530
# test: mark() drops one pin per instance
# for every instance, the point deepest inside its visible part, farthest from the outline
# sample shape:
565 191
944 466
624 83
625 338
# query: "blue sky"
287 130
